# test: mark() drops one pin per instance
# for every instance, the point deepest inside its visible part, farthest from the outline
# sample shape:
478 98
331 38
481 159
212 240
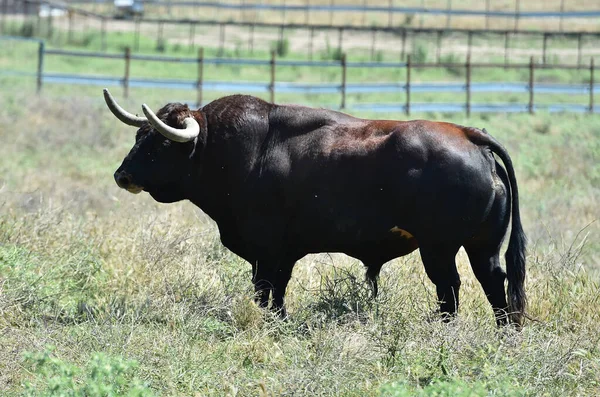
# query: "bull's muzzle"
124 181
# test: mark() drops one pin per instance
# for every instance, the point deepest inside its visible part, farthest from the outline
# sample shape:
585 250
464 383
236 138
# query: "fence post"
592 85
200 74
221 39
70 27
159 37
4 12
487 14
439 46
506 44
40 69
192 34
531 85
562 11
448 8
373 36
408 85
469 43
251 40
306 12
579 49
403 53
544 47
310 42
390 14
126 78
340 39
136 37
343 63
103 33
272 86
468 67
517 13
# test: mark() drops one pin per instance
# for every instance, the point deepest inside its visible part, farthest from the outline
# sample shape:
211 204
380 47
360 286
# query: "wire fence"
343 88
315 41
383 12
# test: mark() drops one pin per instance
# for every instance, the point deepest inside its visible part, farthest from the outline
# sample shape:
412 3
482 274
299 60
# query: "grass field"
104 288
104 292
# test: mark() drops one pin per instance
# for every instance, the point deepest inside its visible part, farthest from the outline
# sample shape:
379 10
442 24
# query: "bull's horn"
122 114
191 130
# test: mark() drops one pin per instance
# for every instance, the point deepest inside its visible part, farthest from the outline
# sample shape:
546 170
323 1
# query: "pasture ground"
92 277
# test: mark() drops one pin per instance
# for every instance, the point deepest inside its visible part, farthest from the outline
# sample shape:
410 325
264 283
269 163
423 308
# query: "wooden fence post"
200 74
126 78
343 63
592 85
531 85
408 85
40 68
272 85
468 67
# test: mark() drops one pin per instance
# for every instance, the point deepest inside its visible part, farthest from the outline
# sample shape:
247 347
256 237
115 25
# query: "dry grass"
88 268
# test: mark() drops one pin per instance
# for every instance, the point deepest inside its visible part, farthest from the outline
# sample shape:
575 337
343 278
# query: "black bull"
282 182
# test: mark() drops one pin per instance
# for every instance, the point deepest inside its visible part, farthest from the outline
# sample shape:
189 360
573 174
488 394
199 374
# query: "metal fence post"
517 13
200 74
408 85
272 85
592 85
126 78
40 69
136 35
343 63
468 67
579 38
103 34
531 85
506 45
544 47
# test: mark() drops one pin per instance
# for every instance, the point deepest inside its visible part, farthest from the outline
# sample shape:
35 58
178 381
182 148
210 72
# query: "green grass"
149 291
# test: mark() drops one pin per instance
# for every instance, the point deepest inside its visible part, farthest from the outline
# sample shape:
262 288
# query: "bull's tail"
517 245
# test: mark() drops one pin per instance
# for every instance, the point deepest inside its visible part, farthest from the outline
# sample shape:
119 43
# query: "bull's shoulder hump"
302 118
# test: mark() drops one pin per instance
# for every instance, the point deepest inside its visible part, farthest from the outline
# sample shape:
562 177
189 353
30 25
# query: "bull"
282 182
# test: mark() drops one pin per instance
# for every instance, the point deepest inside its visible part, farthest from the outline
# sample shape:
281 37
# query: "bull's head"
162 160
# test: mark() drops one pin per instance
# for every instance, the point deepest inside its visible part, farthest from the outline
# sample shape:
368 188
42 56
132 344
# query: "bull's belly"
378 247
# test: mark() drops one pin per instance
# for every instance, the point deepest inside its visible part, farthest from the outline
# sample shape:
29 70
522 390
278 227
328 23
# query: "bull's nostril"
123 180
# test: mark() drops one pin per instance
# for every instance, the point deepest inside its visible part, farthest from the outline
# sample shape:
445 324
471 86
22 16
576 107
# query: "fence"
343 88
434 40
386 8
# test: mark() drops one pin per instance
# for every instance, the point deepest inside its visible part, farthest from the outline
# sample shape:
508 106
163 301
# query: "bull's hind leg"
484 250
486 266
440 266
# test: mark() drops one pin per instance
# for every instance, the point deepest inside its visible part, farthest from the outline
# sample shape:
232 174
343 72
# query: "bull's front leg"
271 277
